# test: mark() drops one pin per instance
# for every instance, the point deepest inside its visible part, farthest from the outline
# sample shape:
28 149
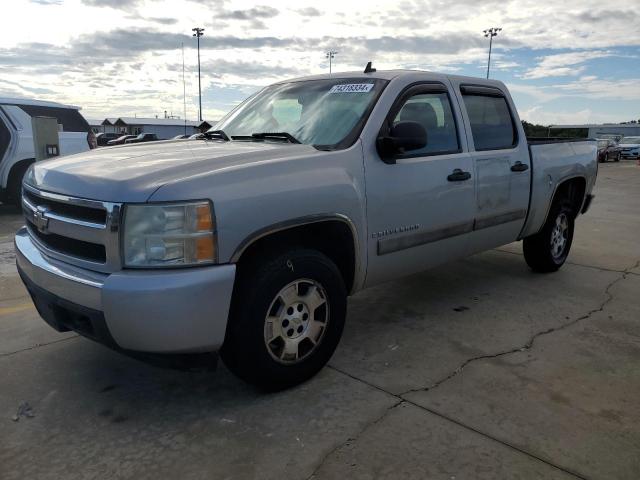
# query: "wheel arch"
335 235
574 189
18 168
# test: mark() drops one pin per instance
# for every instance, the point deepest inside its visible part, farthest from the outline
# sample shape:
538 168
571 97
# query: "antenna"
369 68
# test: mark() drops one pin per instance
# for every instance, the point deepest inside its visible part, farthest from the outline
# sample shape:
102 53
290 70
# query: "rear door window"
70 119
491 121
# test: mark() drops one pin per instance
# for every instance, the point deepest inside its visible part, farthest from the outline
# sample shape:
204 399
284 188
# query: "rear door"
420 209
501 165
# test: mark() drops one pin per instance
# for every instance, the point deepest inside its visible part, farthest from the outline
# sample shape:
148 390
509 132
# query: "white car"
630 147
17 151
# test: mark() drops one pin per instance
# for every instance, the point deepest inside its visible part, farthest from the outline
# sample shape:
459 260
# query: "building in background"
95 125
108 125
162 127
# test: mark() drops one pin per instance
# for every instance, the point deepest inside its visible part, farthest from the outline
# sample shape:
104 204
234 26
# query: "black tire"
606 157
538 251
617 157
14 184
246 352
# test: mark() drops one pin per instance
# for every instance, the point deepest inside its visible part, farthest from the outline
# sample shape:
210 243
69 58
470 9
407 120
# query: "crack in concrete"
357 435
37 345
603 269
406 401
529 344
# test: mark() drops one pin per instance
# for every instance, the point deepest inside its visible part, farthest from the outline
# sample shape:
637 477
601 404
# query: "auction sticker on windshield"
352 88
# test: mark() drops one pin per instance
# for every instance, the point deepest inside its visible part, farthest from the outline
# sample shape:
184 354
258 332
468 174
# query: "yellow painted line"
15 309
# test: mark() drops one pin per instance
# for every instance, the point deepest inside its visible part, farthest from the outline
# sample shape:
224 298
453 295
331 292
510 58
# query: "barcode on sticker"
352 88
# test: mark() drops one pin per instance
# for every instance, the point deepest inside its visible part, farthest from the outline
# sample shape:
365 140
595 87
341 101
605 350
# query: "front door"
420 209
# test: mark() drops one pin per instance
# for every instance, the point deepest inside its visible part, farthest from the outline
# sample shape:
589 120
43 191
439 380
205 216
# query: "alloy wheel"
296 321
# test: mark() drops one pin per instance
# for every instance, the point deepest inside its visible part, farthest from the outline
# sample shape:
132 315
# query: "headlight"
169 235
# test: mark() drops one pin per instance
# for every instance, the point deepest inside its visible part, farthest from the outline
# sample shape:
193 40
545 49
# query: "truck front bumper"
181 311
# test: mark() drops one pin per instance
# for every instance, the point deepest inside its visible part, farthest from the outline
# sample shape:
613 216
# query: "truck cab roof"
394 74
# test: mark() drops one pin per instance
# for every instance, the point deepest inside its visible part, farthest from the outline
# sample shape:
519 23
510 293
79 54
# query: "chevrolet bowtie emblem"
40 219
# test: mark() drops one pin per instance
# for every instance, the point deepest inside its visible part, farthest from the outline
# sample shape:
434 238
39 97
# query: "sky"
564 62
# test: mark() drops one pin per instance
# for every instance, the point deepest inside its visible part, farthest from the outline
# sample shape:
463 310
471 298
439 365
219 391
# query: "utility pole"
490 33
330 55
184 92
198 33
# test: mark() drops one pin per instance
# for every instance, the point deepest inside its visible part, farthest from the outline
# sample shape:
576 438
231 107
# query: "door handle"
519 167
459 176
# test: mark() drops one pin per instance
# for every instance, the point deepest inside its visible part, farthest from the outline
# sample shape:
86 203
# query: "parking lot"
475 370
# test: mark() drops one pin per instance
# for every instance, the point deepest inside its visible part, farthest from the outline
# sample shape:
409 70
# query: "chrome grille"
74 230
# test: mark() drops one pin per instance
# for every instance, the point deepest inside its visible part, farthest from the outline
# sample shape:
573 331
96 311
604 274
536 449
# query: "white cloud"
76 54
564 64
592 87
587 86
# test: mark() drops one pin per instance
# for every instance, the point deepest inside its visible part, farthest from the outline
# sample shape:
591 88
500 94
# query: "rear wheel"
547 250
618 157
287 318
606 157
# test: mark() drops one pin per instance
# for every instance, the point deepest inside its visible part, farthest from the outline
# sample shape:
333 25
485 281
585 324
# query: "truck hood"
131 173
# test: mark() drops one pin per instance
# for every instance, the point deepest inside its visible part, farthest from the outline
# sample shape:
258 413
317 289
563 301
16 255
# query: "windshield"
324 113
630 140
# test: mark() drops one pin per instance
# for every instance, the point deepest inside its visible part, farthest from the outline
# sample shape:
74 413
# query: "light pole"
198 33
490 33
330 55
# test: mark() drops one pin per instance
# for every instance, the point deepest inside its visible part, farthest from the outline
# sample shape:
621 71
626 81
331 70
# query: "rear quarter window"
70 119
492 125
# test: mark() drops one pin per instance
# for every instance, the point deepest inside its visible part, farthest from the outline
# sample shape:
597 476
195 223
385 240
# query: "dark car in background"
120 140
104 138
608 150
143 137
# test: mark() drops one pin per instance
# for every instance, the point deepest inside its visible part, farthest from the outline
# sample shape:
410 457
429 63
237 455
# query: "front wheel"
287 318
547 250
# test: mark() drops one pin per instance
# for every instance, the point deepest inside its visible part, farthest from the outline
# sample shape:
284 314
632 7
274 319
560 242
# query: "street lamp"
330 55
490 33
198 33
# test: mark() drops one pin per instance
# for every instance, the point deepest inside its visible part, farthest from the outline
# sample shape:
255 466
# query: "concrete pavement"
479 369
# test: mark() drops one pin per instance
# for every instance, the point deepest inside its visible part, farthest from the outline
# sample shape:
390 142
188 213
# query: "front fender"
254 199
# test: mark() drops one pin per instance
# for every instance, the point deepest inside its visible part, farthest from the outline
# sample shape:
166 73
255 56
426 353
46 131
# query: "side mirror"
403 137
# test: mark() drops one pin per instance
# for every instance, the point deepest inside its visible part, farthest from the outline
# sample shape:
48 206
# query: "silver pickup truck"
249 241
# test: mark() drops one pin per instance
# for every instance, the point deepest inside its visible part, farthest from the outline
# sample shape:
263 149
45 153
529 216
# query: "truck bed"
553 160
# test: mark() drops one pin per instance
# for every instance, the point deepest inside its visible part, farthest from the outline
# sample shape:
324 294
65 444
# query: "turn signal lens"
204 222
205 249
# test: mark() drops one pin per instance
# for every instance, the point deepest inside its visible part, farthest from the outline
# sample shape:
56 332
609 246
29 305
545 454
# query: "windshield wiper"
277 135
216 135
